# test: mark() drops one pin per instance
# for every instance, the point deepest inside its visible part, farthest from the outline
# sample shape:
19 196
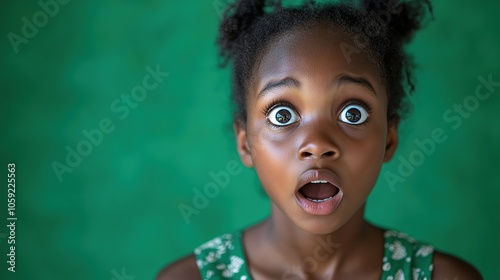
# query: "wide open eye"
354 114
282 116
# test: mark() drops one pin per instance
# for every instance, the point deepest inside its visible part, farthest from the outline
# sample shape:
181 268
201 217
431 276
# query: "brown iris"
353 115
283 116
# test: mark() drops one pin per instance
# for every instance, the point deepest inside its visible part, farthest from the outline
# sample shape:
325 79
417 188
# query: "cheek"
271 145
272 162
273 154
365 162
369 158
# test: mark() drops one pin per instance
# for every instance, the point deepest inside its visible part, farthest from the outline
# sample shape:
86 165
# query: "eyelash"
275 103
359 103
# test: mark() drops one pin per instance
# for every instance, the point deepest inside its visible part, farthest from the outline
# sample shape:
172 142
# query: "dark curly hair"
380 28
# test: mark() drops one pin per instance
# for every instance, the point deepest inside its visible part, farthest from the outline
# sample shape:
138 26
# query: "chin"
320 225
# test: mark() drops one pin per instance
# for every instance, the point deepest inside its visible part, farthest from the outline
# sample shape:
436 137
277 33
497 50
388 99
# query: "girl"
319 91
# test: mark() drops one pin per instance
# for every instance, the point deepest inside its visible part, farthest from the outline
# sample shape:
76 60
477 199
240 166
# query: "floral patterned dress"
404 258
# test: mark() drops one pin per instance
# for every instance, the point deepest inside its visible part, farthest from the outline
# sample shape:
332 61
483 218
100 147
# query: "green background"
117 212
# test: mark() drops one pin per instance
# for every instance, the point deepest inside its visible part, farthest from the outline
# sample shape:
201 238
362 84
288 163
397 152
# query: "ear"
392 139
242 143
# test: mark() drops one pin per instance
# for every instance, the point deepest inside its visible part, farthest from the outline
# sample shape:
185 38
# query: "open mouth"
319 191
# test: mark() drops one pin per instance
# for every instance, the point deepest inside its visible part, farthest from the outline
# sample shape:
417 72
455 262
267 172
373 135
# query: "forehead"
318 53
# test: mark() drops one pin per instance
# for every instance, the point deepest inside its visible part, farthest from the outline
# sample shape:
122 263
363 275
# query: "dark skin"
319 85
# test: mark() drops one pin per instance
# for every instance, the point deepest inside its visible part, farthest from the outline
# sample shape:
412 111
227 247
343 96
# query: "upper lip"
318 174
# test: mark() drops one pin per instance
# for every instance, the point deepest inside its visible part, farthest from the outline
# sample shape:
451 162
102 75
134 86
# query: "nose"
319 143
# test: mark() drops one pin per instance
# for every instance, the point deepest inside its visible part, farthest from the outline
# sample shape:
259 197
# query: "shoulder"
213 256
185 268
450 267
438 265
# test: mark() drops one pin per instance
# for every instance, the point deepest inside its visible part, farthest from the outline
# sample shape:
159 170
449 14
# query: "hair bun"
237 18
402 18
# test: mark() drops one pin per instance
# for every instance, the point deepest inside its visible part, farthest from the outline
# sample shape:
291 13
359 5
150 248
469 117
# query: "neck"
325 250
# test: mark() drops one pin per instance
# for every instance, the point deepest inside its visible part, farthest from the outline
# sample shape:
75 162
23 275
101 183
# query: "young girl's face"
317 131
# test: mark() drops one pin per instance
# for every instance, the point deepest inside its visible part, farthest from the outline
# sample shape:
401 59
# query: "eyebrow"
339 81
285 82
347 79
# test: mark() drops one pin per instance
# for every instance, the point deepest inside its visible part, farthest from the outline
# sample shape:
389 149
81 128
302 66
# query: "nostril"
306 154
316 152
328 154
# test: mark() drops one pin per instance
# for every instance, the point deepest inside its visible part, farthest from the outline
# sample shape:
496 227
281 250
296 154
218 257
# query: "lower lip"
319 208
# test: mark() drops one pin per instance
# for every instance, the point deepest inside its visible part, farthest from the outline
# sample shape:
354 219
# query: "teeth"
319 200
319 182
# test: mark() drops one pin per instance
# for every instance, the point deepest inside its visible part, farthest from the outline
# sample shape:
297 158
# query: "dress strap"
222 258
405 258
